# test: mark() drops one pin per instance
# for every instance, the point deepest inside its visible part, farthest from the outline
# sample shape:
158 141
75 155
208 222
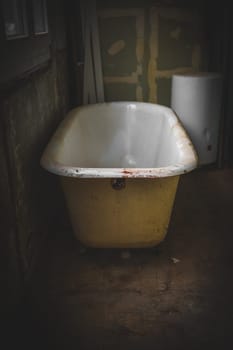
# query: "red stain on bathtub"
126 172
135 172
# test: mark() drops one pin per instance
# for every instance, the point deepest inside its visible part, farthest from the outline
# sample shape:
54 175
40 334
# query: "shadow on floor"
175 296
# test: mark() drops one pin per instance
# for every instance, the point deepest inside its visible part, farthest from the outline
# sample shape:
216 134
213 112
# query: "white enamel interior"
120 139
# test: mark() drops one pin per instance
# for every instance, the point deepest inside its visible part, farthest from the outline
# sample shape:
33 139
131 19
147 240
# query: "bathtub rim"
189 162
173 170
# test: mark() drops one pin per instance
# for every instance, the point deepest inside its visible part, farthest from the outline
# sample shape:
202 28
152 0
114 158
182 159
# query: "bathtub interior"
120 135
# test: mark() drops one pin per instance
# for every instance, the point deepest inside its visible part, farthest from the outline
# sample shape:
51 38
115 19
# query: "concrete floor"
103 299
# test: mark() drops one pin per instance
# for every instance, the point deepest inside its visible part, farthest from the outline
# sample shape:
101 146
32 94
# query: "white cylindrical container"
196 99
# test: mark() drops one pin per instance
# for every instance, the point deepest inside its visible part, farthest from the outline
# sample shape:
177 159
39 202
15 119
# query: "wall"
31 108
143 45
10 274
220 36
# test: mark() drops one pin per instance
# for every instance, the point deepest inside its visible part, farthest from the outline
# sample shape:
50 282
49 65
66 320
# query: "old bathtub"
119 165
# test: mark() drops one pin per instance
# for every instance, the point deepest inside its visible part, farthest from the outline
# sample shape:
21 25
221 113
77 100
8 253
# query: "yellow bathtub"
120 165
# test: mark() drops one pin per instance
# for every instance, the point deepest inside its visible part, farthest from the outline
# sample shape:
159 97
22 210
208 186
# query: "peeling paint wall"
31 111
143 46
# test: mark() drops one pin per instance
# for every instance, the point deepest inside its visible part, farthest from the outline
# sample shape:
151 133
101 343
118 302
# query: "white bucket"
196 99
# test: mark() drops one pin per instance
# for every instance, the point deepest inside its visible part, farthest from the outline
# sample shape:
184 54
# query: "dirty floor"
176 296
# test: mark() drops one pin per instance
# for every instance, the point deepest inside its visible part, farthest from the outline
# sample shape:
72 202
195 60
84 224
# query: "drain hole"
118 184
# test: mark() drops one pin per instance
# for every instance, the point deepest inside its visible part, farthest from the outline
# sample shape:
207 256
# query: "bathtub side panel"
136 216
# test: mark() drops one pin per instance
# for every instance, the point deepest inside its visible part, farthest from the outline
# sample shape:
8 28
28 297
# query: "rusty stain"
134 173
